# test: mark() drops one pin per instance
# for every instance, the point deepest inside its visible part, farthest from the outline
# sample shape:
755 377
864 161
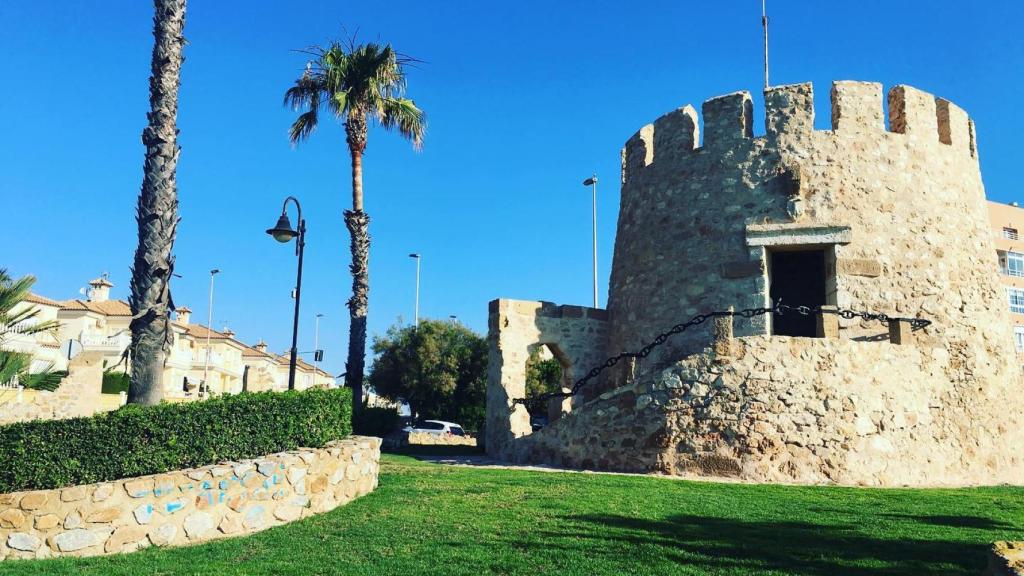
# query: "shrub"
115 382
378 421
135 441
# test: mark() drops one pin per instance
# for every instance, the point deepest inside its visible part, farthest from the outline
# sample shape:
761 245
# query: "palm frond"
348 78
303 126
15 318
48 380
403 114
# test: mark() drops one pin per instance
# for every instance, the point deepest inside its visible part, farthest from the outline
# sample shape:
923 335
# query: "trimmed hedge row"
136 441
377 421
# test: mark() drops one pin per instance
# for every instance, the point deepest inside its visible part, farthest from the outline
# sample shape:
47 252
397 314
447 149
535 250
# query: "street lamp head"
590 181
414 255
283 231
214 271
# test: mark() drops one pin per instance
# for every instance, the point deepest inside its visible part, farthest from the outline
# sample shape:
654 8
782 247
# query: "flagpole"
764 24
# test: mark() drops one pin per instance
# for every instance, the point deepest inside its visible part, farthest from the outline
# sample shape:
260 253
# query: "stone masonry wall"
782 409
79 394
900 214
428 439
900 220
576 336
186 506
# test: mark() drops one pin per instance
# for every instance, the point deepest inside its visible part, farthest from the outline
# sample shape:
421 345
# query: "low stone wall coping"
1006 559
187 506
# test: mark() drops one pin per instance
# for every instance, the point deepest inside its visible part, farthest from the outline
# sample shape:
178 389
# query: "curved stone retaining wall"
807 410
187 506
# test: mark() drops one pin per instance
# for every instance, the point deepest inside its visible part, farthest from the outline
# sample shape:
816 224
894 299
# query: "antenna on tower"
764 25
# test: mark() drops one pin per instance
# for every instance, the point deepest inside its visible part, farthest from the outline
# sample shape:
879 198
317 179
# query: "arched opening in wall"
548 370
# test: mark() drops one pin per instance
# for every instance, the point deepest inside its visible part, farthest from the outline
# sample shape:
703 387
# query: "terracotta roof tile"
106 308
37 299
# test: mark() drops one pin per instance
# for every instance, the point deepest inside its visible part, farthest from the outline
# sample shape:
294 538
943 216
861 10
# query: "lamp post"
283 233
416 316
316 345
204 387
592 181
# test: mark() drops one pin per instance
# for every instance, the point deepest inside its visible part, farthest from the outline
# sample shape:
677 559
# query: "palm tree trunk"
358 223
157 211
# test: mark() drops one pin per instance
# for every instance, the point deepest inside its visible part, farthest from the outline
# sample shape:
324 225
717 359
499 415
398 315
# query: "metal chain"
779 308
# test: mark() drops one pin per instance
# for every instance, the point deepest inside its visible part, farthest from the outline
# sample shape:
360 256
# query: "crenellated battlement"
789 112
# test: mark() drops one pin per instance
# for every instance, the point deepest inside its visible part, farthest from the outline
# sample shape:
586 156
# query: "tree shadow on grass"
979 522
794 548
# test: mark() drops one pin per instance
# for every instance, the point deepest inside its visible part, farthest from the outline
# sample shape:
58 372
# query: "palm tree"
18 319
157 212
358 84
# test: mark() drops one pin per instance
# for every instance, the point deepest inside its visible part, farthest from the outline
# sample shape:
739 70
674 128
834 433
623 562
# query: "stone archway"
574 334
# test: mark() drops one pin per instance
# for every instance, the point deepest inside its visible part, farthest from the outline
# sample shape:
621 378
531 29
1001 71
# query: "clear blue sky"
525 99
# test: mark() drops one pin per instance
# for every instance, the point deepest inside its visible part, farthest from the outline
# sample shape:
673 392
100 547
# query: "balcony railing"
106 343
1011 272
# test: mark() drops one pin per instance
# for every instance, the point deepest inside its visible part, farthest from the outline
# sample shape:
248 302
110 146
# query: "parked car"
538 422
436 427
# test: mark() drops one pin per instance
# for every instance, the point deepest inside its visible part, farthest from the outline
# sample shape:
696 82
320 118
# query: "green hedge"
377 421
135 441
115 382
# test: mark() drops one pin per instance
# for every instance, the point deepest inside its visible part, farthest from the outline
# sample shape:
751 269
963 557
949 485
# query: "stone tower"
859 217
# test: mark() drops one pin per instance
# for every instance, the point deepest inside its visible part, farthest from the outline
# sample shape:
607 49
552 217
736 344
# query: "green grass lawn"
432 519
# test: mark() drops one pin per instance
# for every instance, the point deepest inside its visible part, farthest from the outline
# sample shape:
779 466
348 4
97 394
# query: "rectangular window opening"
1010 233
797 278
1016 296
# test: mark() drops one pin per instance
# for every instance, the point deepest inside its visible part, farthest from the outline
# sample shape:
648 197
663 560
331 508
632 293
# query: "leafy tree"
157 211
16 365
356 83
439 368
542 376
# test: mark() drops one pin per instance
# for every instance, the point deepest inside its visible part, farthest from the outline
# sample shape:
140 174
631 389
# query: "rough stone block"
24 542
139 488
1006 559
103 515
789 110
859 267
74 540
197 524
74 493
47 521
12 518
125 535
675 134
742 269
912 111
728 120
163 535
287 512
826 324
73 520
34 500
143 513
900 332
231 524
857 106
103 491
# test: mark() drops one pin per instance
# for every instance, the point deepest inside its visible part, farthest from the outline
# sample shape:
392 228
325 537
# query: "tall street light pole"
316 345
592 181
416 321
283 233
205 387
